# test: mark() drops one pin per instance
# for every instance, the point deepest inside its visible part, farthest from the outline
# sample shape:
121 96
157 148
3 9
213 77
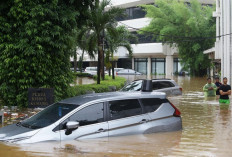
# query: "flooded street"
207 132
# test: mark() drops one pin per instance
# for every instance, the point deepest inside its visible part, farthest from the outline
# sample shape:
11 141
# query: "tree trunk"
102 65
109 71
113 77
75 61
99 63
102 60
82 56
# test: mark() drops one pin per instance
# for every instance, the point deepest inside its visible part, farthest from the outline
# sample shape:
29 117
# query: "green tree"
83 42
184 25
100 21
36 39
121 38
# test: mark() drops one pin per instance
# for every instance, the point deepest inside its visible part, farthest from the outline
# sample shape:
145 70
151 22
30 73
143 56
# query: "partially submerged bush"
100 88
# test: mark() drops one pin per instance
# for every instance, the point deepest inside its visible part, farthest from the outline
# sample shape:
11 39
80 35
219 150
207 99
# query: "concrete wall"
224 25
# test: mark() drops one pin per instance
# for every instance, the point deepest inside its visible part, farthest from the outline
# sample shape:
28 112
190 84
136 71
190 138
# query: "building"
221 54
149 56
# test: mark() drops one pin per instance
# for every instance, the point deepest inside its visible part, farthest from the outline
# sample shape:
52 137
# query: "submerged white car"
97 115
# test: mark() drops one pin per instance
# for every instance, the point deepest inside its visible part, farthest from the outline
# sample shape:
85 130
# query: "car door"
126 118
92 123
160 113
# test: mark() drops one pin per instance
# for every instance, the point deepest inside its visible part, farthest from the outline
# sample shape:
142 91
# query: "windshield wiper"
25 125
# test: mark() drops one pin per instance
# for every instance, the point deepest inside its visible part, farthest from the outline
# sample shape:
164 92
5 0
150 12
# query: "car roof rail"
139 80
162 79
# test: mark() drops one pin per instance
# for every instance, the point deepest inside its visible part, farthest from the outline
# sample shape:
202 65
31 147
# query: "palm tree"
121 38
83 45
100 21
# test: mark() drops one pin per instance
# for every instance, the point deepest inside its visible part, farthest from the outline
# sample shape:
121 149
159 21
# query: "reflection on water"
207 131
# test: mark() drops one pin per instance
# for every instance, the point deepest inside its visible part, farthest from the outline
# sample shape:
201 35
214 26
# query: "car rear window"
162 84
124 108
152 104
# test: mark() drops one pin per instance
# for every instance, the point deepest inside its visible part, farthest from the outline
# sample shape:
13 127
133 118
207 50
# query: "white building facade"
222 52
149 56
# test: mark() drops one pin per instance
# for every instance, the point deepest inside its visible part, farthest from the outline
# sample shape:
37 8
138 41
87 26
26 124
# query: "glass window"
151 104
138 13
133 86
89 115
142 38
166 84
48 116
133 13
155 85
141 65
176 65
124 108
158 66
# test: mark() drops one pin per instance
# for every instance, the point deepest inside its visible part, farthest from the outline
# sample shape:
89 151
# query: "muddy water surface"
207 132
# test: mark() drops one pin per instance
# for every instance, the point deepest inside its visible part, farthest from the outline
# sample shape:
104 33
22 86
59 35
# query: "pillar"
133 63
169 65
149 68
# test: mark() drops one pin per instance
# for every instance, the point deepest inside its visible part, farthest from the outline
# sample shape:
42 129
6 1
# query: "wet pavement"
207 132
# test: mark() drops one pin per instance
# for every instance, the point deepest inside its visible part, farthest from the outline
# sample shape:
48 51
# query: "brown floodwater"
207 132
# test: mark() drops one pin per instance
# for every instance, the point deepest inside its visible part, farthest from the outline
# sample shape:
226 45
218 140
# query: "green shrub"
36 42
99 88
83 74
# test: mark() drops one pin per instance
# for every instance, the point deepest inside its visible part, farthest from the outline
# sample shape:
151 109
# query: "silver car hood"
16 131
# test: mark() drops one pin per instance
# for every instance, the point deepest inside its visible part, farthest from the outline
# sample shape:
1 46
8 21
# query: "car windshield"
48 116
133 86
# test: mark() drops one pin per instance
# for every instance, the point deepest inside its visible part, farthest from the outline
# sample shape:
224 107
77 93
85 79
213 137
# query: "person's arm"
229 92
225 93
215 87
205 89
221 92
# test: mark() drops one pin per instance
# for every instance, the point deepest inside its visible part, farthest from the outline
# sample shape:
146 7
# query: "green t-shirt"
209 92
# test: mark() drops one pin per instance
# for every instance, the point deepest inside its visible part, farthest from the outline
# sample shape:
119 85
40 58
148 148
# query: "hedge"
83 74
119 82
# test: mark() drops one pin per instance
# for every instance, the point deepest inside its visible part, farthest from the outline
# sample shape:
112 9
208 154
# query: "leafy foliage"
36 38
120 38
184 24
119 82
100 21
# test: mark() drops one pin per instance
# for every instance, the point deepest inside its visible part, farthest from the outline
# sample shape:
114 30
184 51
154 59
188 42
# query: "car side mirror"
70 126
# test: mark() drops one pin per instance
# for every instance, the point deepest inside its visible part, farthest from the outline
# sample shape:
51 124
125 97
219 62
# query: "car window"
155 85
152 104
124 108
166 84
89 115
133 86
125 71
48 116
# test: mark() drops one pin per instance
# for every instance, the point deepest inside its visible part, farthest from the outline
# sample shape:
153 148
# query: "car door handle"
143 121
100 130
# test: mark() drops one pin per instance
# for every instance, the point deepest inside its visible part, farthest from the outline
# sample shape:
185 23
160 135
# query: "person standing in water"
225 91
210 88
218 84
